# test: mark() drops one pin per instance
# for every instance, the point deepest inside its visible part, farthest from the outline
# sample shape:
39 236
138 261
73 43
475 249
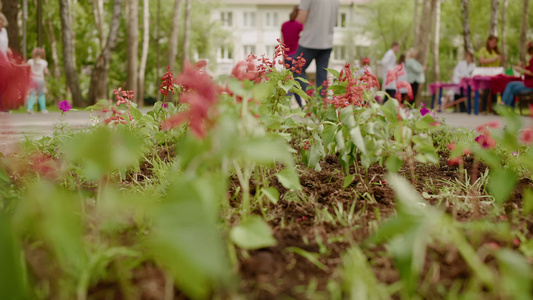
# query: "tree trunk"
187 33
174 35
416 20
68 55
132 54
144 52
40 23
436 39
10 10
493 29
504 31
467 37
425 32
99 77
158 47
523 32
53 45
98 20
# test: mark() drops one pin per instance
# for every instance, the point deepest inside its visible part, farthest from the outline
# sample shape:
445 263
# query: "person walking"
316 41
415 70
388 63
290 36
39 68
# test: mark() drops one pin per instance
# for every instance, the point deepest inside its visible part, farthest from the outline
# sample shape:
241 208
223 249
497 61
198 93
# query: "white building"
255 25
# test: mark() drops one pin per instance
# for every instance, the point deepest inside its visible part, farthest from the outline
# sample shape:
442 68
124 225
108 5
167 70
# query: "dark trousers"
414 86
321 57
391 93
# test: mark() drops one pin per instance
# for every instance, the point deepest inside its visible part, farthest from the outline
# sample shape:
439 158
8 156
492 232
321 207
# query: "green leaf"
252 233
12 281
393 163
501 183
267 150
333 72
528 201
289 179
286 87
347 117
348 180
516 270
312 257
357 139
135 113
271 193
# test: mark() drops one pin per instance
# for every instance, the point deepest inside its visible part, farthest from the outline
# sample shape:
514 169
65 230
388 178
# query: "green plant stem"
244 180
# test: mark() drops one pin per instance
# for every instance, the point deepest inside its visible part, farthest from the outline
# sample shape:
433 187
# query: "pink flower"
168 83
424 111
486 141
451 146
64 106
455 161
526 136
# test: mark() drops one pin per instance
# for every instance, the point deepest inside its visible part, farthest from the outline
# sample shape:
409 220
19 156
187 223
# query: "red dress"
14 81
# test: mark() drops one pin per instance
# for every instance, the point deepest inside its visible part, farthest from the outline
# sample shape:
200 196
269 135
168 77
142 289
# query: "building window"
339 53
225 53
270 50
341 20
249 49
227 18
271 19
249 19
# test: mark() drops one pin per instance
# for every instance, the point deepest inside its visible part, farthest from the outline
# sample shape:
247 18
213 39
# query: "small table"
439 86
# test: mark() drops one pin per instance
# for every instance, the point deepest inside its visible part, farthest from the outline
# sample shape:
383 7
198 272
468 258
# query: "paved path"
15 127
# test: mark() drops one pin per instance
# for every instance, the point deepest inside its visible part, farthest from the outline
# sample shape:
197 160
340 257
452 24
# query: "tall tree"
68 54
416 19
436 39
50 34
467 36
144 51
424 36
98 12
99 77
11 9
174 35
187 31
505 3
523 31
132 53
158 47
493 28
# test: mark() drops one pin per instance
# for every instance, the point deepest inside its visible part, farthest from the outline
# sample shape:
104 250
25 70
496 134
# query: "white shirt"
388 63
37 68
4 41
462 70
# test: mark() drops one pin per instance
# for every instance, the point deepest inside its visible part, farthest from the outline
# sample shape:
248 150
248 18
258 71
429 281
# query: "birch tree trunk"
187 32
53 47
416 19
425 32
493 29
68 55
436 40
467 37
98 20
504 30
144 52
158 47
10 10
523 32
132 55
99 77
174 35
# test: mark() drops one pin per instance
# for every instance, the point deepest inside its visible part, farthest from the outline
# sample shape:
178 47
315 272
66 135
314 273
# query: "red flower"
455 161
486 141
451 146
168 83
200 94
526 136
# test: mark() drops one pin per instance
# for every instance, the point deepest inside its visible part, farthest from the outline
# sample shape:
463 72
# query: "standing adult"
403 91
388 63
4 61
290 36
489 56
415 70
316 41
